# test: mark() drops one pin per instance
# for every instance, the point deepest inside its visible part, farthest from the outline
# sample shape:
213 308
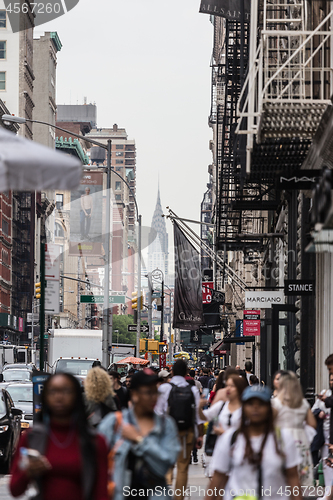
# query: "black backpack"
181 405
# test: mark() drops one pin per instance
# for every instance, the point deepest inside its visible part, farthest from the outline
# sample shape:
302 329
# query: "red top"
64 479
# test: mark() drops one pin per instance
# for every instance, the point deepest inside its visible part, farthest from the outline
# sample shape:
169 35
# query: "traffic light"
162 348
135 301
153 345
38 289
142 345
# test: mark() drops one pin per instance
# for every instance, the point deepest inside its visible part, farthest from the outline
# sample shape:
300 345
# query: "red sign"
162 361
251 322
207 291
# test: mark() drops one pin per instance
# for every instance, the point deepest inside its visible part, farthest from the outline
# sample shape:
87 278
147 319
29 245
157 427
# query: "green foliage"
120 323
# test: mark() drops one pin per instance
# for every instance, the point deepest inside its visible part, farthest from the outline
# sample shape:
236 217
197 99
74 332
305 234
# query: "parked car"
17 375
10 428
22 396
19 366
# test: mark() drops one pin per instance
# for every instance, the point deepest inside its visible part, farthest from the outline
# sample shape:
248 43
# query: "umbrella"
28 166
133 361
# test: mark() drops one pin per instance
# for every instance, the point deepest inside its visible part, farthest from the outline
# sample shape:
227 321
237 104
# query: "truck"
74 350
121 351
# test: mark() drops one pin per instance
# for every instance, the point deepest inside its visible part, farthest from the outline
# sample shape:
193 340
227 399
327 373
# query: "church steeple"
158 239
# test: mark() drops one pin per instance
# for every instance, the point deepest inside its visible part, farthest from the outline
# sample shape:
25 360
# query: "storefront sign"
251 322
207 291
299 287
264 300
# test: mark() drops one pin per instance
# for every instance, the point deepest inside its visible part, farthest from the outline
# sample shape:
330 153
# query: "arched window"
59 230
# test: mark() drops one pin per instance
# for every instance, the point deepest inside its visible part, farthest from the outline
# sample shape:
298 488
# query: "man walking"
248 371
181 401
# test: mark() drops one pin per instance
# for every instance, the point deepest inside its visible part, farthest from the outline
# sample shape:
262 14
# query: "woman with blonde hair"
99 395
293 412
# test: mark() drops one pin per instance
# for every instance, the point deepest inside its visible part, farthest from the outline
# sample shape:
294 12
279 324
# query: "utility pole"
42 307
106 305
162 311
138 326
150 306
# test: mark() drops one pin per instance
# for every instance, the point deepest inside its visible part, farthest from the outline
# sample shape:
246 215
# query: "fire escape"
288 86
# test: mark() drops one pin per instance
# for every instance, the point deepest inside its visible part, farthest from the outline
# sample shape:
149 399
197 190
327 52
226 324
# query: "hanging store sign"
264 300
207 291
251 322
299 287
230 9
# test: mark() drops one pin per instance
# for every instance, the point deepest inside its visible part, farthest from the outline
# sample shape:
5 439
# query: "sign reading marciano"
263 300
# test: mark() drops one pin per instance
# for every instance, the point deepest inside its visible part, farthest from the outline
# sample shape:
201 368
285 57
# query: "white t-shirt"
244 476
225 418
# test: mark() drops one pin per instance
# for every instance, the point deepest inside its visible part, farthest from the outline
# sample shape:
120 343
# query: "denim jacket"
160 449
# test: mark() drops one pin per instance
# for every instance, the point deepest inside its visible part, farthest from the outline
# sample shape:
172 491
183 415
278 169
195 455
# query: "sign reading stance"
251 322
299 287
264 300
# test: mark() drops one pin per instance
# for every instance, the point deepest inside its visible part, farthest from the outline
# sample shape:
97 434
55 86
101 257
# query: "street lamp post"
105 339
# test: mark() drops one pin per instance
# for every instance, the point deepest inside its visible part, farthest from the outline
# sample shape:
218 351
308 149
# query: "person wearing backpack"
256 461
181 401
142 445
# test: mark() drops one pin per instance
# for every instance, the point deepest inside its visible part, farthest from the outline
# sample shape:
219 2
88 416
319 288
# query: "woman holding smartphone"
255 458
61 454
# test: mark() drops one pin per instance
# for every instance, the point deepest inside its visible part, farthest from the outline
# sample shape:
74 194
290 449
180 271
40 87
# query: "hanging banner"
230 9
188 309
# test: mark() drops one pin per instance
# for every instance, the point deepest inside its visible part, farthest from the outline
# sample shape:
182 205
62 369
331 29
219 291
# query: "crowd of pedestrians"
136 436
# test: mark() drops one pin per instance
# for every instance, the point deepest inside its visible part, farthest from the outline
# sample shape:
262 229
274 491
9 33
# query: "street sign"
143 328
156 295
162 348
52 290
32 316
99 299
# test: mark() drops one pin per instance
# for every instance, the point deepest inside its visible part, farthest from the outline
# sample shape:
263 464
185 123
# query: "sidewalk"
198 483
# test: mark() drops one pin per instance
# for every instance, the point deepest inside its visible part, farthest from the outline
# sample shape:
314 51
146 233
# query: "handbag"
211 437
143 477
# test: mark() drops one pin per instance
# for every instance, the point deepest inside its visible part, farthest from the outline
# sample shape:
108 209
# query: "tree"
120 323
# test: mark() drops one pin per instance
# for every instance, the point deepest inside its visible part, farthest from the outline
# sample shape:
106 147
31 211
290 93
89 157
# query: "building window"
2 80
3 19
59 201
118 186
119 153
5 227
118 197
5 257
59 231
119 146
2 50
119 169
119 161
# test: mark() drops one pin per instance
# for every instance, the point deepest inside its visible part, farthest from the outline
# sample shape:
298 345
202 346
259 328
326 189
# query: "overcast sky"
146 65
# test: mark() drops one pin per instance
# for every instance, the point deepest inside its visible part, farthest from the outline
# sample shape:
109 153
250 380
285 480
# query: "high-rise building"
158 240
